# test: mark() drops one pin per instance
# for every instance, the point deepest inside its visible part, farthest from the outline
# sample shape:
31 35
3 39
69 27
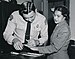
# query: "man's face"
58 17
30 16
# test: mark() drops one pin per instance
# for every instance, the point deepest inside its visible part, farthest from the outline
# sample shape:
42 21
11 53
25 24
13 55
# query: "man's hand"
17 44
31 43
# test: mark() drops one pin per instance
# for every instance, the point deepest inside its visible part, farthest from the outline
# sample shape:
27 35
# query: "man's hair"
27 7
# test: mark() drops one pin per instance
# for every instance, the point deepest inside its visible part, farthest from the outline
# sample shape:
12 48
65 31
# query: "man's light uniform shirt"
17 25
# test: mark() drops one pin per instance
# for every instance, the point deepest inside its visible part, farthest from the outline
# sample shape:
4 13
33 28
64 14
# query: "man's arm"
43 32
9 31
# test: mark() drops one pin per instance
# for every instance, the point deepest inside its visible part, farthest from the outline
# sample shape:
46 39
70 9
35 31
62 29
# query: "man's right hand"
31 43
17 44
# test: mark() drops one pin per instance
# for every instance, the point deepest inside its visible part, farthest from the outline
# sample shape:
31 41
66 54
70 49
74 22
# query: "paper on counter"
14 53
32 54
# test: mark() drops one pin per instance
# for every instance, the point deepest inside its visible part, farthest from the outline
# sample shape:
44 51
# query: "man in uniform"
16 32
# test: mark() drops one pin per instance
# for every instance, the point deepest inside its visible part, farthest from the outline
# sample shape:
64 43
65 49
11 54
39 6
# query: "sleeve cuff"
10 40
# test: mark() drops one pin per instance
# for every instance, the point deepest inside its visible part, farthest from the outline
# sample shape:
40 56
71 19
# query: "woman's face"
58 17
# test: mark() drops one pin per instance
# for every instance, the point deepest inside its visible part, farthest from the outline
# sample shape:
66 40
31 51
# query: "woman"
60 37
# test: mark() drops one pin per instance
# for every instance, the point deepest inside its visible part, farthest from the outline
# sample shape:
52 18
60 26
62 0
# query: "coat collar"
62 23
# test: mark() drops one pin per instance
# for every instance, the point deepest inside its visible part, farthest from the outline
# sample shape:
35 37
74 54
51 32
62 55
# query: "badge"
11 17
37 27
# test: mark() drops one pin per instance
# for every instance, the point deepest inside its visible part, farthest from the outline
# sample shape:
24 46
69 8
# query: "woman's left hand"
32 48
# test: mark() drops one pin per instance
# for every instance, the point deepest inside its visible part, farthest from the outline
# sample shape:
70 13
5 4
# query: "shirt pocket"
20 27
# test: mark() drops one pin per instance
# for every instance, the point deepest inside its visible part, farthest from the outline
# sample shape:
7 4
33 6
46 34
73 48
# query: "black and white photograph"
37 29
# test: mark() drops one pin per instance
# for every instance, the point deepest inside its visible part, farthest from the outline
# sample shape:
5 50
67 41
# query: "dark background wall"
6 8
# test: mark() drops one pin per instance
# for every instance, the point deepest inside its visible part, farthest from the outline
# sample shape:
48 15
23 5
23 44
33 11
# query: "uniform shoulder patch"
11 17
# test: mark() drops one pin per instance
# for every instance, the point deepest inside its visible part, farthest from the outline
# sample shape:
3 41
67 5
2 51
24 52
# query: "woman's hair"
64 10
27 7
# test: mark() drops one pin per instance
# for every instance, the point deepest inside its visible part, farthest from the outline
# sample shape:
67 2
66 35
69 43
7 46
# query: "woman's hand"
31 47
34 48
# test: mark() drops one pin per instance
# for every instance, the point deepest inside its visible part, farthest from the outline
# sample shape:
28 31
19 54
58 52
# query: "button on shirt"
16 28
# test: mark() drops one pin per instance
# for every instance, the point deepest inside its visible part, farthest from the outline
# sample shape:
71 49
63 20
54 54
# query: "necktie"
27 34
